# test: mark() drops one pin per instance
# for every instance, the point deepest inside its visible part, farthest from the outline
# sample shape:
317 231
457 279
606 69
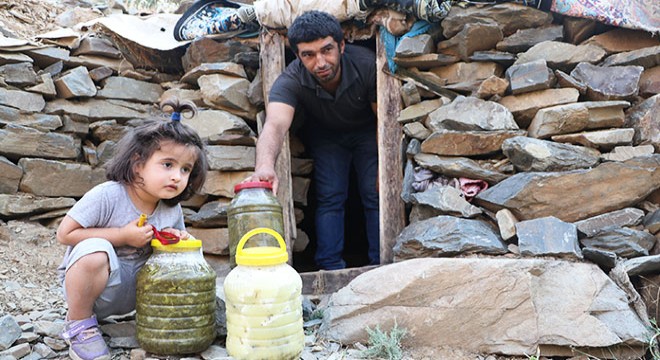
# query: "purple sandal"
85 340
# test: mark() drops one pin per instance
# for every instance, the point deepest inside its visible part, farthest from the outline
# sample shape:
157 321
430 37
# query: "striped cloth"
632 14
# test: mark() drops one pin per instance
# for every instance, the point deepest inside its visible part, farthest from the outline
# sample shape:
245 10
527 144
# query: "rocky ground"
28 278
26 18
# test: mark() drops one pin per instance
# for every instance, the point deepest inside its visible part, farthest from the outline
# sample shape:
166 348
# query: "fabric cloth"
424 179
340 130
349 108
633 14
471 187
108 205
281 13
390 41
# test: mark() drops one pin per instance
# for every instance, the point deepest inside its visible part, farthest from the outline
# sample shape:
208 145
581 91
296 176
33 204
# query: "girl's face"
165 174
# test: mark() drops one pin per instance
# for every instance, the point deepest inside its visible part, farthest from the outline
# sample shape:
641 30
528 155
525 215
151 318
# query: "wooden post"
272 65
390 168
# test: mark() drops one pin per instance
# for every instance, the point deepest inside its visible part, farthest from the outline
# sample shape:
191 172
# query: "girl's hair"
137 146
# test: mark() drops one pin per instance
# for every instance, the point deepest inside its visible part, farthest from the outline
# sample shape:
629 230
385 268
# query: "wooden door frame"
390 168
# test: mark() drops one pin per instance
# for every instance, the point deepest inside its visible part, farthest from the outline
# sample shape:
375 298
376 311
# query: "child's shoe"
85 340
213 17
433 10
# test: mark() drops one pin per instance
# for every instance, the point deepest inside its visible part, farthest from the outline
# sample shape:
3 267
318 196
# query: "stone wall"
527 135
66 100
557 116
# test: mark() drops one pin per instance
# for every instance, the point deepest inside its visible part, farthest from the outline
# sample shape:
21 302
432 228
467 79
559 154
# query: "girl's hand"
137 236
182 234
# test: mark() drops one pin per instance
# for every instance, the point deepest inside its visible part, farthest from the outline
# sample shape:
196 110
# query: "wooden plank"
327 282
272 64
390 168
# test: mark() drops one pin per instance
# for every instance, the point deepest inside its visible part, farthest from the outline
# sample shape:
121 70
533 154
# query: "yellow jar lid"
261 255
187 244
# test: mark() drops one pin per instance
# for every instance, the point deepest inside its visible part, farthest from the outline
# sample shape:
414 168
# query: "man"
335 85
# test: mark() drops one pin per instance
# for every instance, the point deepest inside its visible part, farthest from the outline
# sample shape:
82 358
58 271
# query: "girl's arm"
70 232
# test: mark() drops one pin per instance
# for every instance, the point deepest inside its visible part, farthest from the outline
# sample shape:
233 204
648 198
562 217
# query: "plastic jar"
176 300
253 206
264 303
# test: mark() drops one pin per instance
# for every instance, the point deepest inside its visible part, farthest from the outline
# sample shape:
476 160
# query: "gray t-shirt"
108 205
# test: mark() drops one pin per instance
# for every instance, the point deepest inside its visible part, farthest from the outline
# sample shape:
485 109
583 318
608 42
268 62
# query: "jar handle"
261 230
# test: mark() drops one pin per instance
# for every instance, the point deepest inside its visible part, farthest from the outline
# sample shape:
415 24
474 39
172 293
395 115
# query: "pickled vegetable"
254 206
264 304
175 302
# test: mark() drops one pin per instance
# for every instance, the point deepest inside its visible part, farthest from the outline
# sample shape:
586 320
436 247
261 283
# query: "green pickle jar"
253 206
176 300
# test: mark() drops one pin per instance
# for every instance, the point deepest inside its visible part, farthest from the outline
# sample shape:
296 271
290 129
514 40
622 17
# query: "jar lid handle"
261 230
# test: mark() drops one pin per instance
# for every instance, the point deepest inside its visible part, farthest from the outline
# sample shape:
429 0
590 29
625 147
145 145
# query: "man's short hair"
313 25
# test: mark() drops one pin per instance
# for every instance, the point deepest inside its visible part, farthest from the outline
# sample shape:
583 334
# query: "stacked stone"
66 101
557 115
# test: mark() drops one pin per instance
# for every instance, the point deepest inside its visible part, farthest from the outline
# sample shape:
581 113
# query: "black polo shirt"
348 109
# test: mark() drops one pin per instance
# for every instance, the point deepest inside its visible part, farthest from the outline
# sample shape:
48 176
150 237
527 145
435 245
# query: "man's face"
322 58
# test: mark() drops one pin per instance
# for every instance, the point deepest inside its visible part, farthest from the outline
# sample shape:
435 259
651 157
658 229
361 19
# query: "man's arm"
278 120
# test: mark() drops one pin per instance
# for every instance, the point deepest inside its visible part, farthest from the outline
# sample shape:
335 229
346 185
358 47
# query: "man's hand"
268 175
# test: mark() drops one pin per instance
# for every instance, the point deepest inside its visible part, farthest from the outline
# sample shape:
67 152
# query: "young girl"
157 165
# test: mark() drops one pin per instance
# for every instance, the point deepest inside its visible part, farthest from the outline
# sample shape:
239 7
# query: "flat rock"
522 315
467 143
614 219
458 167
608 82
447 236
570 118
560 55
523 39
644 119
604 140
468 113
510 17
548 236
529 154
525 106
574 195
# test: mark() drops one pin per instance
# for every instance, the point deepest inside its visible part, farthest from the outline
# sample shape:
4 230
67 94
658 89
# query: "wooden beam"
390 168
327 282
272 64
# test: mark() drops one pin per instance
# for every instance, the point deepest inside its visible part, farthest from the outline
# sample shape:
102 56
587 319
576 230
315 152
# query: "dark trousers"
334 153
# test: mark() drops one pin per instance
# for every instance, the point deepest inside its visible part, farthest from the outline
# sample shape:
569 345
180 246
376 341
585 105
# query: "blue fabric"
390 41
333 153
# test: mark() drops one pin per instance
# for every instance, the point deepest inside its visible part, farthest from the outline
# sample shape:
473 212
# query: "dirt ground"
29 257
27 18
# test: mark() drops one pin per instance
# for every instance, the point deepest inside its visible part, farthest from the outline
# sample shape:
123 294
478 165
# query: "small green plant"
385 345
537 356
317 314
653 341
